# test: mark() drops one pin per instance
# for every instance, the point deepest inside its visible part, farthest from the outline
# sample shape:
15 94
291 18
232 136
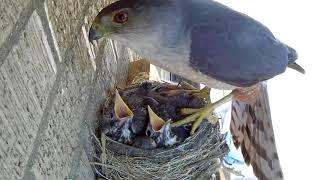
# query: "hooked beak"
297 67
94 35
122 112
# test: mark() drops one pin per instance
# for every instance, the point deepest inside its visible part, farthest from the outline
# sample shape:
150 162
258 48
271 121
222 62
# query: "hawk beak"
122 111
297 67
94 35
156 122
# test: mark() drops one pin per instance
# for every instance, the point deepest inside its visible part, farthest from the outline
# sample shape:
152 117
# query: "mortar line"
44 17
43 124
52 95
27 174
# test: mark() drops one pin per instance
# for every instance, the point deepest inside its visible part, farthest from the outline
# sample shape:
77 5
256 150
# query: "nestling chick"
159 130
119 128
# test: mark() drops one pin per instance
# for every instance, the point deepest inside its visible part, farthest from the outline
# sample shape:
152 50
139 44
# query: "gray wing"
236 49
252 130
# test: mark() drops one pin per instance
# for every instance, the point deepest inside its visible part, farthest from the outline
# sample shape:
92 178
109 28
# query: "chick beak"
156 122
122 112
94 35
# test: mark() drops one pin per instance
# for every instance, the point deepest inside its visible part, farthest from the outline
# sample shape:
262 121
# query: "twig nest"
138 141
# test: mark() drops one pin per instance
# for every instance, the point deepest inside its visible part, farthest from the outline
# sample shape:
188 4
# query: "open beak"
156 122
122 112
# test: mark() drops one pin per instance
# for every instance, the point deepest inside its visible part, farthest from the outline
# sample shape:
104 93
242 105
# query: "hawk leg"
248 95
199 115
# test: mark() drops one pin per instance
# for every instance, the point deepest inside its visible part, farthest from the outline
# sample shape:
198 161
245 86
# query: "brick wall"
52 83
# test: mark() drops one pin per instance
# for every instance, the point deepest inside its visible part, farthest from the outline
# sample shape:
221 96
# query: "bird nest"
196 156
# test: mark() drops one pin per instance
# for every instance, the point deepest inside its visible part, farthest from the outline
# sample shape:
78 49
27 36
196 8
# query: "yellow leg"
203 93
188 111
199 115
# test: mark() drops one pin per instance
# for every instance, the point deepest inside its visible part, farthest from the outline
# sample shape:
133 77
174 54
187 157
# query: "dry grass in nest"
198 157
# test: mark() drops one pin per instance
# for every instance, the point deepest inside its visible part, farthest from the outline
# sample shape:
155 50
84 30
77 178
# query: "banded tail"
252 130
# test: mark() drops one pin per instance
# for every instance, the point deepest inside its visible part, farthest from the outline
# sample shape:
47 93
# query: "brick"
10 12
60 141
67 17
77 88
26 78
57 155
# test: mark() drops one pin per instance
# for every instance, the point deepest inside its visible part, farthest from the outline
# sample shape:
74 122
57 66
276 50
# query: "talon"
203 114
204 93
200 114
213 119
121 109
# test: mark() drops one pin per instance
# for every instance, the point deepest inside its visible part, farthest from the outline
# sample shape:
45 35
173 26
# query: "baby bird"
160 130
120 124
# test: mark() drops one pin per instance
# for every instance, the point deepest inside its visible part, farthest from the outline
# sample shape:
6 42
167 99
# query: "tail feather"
252 130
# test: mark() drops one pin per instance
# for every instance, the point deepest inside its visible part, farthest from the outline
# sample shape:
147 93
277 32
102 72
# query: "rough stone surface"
52 85
84 171
60 141
60 149
10 12
26 78
68 16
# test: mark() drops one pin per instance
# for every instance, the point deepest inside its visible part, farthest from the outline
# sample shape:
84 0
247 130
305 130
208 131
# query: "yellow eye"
121 17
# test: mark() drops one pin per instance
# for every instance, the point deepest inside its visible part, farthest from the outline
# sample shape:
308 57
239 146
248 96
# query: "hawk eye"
121 17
